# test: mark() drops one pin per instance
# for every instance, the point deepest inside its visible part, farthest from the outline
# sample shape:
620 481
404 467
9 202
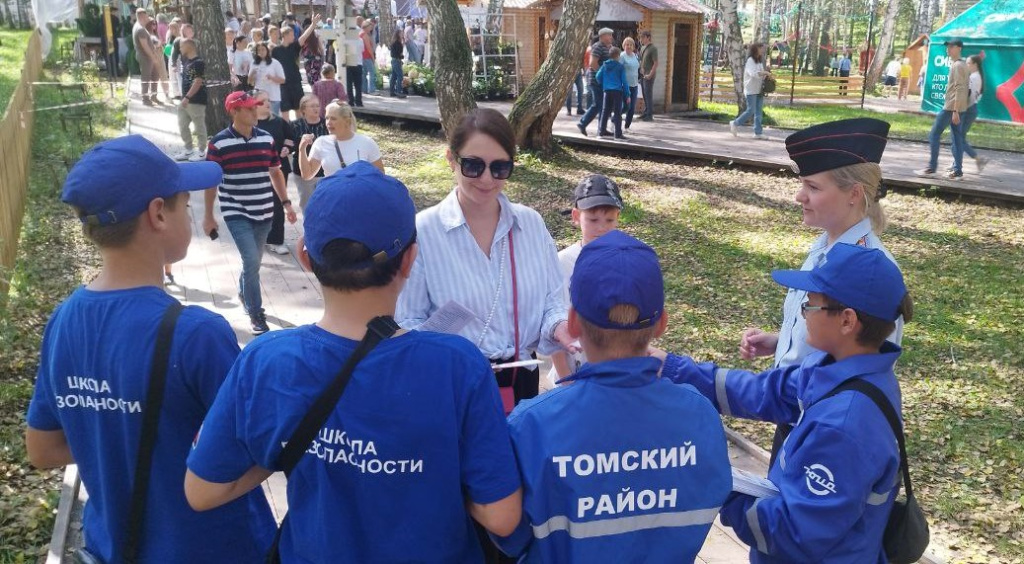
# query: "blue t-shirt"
620 466
93 372
418 430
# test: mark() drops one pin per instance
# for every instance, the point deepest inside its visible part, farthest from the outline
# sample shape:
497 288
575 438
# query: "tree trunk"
766 24
494 9
733 38
884 45
386 23
452 61
924 19
208 22
536 108
811 54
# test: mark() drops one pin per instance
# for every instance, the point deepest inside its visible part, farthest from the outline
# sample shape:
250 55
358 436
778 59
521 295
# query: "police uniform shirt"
837 471
93 372
419 429
619 465
792 347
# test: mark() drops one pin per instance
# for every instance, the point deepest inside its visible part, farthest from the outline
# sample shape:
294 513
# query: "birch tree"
733 42
452 61
884 44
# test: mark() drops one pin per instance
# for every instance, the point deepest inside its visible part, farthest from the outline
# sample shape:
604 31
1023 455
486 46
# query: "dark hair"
120 234
257 60
396 36
976 59
313 44
756 52
487 121
645 33
874 330
335 273
237 40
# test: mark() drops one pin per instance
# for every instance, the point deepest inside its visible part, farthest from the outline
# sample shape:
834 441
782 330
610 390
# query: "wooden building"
676 28
917 52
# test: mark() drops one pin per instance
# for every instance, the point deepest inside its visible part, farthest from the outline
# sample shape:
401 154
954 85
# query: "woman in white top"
266 74
975 87
753 90
420 38
241 63
480 253
631 61
841 199
340 148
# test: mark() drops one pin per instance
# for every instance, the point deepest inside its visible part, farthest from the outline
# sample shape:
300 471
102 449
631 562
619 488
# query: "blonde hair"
869 177
628 41
624 342
342 111
307 99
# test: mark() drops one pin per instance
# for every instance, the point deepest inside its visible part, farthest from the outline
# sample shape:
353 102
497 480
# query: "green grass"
915 127
12 57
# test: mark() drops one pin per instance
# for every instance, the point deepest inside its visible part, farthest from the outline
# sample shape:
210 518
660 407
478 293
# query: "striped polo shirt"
246 190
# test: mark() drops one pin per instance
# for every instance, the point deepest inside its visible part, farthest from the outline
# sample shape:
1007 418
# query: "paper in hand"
751 484
449 318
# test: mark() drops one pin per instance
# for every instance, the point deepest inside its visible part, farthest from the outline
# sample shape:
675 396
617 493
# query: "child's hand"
562 337
755 343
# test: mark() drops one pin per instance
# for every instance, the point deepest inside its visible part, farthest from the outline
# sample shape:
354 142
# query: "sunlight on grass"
12 58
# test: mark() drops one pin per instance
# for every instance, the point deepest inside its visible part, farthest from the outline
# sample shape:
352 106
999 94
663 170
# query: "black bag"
378 329
769 85
906 532
147 440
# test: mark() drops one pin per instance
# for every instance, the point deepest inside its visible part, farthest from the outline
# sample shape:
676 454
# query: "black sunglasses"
473 167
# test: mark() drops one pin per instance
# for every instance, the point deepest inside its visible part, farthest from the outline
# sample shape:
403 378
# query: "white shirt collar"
451 214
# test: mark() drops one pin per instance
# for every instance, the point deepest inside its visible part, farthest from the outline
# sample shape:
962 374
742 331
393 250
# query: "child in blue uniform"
621 465
97 351
838 471
417 444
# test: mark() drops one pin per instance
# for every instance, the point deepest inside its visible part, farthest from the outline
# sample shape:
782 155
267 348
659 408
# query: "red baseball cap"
237 100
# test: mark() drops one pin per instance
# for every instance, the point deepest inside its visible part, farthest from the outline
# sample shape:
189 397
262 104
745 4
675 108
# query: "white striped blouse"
451 267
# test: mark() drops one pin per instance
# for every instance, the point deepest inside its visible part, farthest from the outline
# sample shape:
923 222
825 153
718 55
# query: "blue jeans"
631 107
944 119
966 121
396 77
755 109
275 108
578 81
596 101
369 76
250 238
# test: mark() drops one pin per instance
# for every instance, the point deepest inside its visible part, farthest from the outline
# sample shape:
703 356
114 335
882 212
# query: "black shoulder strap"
377 330
337 151
883 403
150 420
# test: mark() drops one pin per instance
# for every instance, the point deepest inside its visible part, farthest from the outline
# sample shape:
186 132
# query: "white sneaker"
182 155
732 128
197 156
760 136
980 162
278 249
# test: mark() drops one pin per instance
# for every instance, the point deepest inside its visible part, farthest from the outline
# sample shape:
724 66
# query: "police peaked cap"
836 144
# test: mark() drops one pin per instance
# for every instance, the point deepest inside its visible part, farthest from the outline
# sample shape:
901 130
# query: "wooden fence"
718 87
16 141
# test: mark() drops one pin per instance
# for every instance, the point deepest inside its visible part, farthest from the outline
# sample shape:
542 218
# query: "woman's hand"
306 140
285 152
755 343
563 338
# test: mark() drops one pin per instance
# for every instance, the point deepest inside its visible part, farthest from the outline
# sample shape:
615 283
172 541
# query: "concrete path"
209 277
1003 177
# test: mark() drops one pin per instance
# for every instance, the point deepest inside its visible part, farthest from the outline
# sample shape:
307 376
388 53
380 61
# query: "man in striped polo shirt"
252 172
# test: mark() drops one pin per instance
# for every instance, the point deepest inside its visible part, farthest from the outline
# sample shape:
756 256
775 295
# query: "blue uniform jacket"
619 466
612 76
837 471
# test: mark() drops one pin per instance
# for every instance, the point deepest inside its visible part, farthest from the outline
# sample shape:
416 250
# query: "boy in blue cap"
97 353
417 444
839 470
620 466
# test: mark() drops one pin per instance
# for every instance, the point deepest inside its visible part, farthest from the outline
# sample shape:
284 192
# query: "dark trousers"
647 87
578 81
612 108
845 74
276 236
630 108
596 101
354 79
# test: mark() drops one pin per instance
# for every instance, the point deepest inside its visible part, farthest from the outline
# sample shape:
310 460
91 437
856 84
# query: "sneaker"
604 133
582 129
732 128
278 249
183 155
760 136
646 118
925 172
621 137
954 175
980 162
197 156
147 102
259 324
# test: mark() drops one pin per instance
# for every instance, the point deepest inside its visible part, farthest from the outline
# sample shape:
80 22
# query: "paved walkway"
209 276
706 140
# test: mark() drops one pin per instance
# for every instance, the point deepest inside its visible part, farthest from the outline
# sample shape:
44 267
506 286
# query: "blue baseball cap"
361 203
117 179
857 277
616 269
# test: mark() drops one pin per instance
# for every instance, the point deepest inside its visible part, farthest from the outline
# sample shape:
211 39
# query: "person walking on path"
950 115
310 122
598 55
631 63
845 64
192 108
397 89
648 72
892 76
287 53
252 173
975 89
147 58
753 85
612 78
369 58
173 76
905 70
420 39
328 88
281 131
409 40
241 63
267 75
340 148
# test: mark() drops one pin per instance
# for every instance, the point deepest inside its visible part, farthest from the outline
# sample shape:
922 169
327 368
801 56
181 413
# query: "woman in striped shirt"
490 256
